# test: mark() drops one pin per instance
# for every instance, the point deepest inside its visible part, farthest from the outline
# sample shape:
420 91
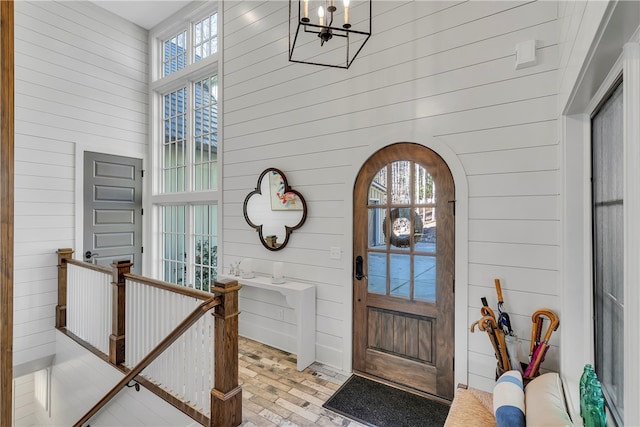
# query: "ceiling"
145 13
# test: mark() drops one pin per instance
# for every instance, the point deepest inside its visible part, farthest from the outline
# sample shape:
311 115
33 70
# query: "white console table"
302 298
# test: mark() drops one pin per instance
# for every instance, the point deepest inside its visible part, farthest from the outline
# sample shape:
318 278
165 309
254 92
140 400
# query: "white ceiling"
145 13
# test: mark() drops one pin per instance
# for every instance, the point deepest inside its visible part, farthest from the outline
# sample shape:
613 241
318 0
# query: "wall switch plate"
526 54
335 252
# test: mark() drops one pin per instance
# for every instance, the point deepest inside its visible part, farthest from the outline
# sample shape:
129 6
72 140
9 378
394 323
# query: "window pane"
174 141
198 32
206 37
400 267
608 250
205 113
174 53
424 188
173 238
376 233
400 182
424 278
377 274
206 246
427 241
378 188
403 226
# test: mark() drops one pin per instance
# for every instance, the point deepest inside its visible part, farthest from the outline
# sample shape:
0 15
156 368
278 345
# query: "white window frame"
577 332
159 85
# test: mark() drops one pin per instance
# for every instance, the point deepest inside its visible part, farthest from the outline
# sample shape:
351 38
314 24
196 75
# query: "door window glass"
377 272
424 278
400 285
402 232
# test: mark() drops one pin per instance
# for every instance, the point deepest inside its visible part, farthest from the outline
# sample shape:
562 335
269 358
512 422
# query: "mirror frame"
287 189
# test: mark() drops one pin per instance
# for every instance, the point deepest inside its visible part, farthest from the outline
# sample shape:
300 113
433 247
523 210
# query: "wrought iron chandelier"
321 33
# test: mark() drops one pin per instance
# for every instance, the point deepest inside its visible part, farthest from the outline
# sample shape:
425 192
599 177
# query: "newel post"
61 309
116 339
226 396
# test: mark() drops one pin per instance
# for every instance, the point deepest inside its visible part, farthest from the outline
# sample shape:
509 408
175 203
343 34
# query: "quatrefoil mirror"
274 209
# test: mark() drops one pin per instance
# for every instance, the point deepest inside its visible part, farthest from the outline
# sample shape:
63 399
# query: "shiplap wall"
579 22
24 402
81 84
437 73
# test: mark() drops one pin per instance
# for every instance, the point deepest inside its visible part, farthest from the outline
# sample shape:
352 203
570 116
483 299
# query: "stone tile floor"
274 393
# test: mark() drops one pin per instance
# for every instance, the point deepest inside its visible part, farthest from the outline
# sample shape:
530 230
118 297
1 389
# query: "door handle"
89 255
359 274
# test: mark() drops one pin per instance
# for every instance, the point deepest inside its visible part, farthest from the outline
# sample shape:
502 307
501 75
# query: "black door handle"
359 275
89 255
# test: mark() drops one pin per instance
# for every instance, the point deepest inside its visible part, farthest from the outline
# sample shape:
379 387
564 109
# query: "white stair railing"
90 304
185 369
164 333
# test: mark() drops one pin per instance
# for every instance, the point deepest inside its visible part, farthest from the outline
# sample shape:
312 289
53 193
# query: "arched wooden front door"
403 324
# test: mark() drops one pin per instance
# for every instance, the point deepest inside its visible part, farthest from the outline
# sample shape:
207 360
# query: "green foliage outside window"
206 265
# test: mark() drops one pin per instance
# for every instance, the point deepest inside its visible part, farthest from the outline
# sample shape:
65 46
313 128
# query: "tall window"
607 205
175 134
186 152
190 142
205 134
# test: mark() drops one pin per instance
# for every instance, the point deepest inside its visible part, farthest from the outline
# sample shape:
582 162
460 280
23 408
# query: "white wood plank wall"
579 21
80 84
24 402
440 71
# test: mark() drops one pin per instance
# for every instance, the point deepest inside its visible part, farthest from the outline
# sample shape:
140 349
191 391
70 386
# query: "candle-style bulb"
346 14
305 11
321 15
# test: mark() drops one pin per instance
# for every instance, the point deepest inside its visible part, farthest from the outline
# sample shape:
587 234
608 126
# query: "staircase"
145 333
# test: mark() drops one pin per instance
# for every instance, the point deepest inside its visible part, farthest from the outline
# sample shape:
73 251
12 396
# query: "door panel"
112 209
408 336
408 372
403 303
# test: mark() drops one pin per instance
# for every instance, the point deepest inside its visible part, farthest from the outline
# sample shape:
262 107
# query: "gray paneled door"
112 209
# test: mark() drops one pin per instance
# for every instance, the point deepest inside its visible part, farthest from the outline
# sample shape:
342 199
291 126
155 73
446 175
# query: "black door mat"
379 405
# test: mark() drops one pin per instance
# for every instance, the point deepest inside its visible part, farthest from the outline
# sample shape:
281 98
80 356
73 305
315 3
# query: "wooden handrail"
200 311
183 290
190 292
90 266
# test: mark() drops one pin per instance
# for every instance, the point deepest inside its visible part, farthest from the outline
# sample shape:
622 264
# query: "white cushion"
544 400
